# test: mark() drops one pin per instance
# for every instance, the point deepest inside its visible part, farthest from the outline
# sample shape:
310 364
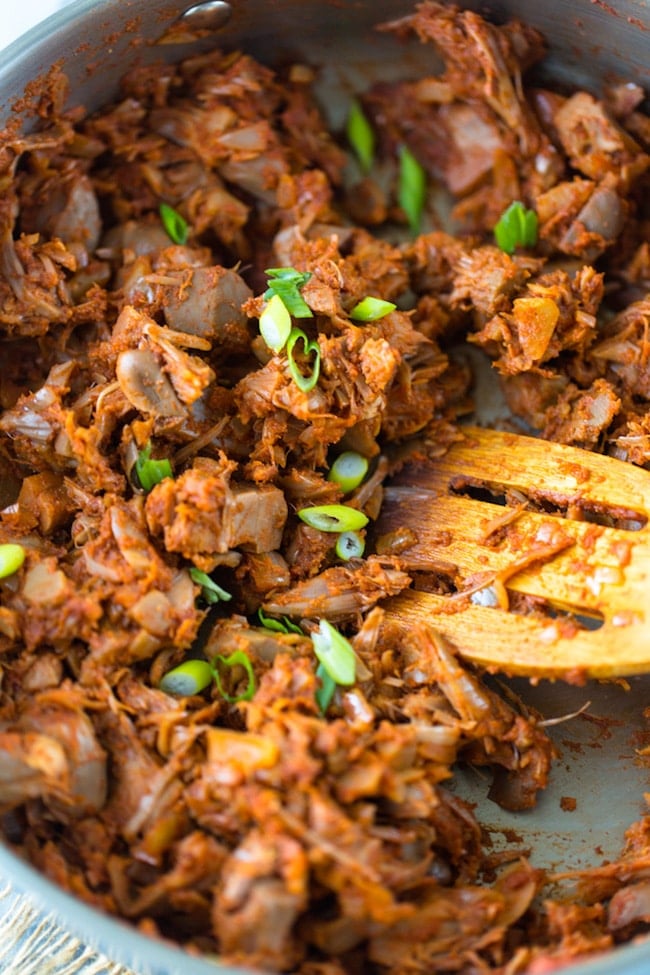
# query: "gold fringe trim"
35 944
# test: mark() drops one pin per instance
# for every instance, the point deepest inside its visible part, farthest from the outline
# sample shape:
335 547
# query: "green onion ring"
211 592
285 625
335 653
516 227
350 545
371 309
236 659
275 324
361 136
333 518
175 225
412 188
291 626
149 471
348 470
190 677
305 383
325 692
12 557
286 282
269 623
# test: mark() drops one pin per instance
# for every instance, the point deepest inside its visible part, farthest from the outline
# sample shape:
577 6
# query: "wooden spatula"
555 583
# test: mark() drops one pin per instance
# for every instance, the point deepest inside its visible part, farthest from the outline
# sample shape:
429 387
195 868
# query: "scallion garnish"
174 224
517 227
275 324
371 309
190 677
361 136
291 626
325 691
335 653
310 348
286 282
12 557
210 591
236 659
333 518
277 626
193 676
348 470
285 625
350 545
412 188
150 472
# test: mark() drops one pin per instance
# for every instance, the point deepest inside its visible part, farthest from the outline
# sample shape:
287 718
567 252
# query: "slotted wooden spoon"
573 537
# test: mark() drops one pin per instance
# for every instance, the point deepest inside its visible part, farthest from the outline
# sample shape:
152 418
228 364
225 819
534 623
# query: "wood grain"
566 557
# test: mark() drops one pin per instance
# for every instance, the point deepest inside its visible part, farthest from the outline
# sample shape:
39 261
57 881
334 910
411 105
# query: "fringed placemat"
34 943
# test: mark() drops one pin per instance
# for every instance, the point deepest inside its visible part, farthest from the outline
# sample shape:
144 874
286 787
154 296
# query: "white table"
19 17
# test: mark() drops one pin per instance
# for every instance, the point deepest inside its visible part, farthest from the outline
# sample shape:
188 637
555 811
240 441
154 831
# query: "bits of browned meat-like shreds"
472 127
553 313
259 818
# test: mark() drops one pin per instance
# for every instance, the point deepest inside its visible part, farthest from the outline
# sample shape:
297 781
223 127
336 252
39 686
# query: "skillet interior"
599 764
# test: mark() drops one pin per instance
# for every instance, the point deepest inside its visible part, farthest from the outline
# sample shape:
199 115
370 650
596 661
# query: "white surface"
19 15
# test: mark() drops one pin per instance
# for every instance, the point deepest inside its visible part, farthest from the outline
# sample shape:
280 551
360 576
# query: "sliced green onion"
277 626
291 626
348 470
350 545
194 676
325 692
188 678
285 625
371 309
412 188
335 653
150 472
211 592
531 228
286 282
333 518
175 225
275 324
310 347
236 659
361 136
517 227
12 557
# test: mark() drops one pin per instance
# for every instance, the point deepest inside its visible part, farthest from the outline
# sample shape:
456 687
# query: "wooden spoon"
538 555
